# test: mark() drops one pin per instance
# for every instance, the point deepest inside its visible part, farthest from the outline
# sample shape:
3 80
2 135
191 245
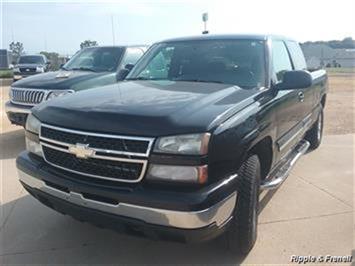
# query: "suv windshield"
237 62
31 59
97 59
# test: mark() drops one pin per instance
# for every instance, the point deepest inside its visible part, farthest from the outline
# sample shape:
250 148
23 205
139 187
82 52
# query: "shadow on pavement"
12 143
35 234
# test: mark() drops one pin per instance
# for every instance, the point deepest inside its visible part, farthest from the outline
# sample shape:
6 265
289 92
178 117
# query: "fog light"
34 147
177 173
17 77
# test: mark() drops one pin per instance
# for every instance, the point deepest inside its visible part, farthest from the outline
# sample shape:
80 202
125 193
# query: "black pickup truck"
90 67
181 149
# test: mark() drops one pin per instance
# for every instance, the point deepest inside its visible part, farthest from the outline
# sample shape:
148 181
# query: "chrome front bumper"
11 108
217 214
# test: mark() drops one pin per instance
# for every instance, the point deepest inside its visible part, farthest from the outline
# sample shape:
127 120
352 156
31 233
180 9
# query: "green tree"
17 50
88 43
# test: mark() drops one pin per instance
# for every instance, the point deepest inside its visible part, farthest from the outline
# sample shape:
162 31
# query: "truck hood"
29 65
61 80
147 108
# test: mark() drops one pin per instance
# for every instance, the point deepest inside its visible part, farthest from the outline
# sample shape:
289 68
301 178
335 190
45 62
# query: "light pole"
205 19
113 30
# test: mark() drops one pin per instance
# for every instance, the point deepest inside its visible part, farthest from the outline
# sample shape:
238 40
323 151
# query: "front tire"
242 233
315 134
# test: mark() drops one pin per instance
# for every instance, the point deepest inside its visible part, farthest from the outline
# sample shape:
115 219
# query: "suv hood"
28 65
65 80
147 108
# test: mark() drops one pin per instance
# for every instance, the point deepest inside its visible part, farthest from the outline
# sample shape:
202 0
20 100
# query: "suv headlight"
40 69
33 124
191 144
32 141
58 93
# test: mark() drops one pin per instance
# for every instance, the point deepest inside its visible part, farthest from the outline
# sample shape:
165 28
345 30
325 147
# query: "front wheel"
242 233
315 134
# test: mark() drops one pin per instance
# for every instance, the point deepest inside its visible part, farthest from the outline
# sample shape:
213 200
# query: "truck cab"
182 147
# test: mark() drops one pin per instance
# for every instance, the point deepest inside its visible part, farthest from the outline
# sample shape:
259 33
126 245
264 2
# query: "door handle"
301 96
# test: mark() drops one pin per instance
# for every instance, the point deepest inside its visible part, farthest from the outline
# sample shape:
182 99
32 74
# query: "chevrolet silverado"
181 149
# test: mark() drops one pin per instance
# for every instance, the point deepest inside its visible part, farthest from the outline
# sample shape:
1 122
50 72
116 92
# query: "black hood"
59 80
146 108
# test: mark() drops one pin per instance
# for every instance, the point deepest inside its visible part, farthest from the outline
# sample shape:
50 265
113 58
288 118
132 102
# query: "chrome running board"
275 179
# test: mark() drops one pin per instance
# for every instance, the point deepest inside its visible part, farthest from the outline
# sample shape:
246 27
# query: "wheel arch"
263 149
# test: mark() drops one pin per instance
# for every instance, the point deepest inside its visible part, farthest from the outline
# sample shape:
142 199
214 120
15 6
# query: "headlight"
192 144
34 147
39 69
177 173
33 124
16 69
54 94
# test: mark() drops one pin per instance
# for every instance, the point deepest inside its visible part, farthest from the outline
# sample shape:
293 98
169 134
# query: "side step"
275 179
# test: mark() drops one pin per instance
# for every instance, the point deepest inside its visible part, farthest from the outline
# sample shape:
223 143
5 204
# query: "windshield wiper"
83 69
201 80
144 78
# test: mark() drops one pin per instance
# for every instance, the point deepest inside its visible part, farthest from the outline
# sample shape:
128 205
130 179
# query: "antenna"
205 19
113 30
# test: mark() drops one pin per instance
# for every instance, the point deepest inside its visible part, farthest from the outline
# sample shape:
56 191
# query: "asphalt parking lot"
310 214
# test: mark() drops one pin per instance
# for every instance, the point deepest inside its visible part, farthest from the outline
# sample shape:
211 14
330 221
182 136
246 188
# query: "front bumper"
17 114
193 216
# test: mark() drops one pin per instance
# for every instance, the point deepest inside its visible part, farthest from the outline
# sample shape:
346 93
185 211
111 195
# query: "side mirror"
295 79
129 66
61 66
48 63
122 74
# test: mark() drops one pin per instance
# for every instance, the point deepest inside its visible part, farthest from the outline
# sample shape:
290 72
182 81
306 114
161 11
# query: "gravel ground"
339 111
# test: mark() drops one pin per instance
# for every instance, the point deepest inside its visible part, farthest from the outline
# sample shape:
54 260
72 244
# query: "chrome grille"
27 96
111 157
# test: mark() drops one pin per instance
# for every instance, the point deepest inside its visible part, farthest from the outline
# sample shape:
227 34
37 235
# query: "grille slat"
27 96
111 158
116 144
94 167
30 69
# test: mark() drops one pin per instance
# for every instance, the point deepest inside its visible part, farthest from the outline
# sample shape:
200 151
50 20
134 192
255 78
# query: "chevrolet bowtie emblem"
81 150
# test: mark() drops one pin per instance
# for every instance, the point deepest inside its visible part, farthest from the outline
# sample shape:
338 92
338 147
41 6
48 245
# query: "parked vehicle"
181 149
90 67
29 65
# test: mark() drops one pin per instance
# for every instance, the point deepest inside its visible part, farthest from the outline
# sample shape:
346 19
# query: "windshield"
31 59
97 59
238 62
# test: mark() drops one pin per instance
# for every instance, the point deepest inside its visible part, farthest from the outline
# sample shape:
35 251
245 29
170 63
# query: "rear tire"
242 232
315 134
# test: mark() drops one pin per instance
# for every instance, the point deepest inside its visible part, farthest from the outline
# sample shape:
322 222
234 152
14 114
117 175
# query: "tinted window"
31 59
280 58
98 59
239 62
132 56
297 55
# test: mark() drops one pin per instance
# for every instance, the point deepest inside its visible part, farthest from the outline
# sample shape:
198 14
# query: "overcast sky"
61 26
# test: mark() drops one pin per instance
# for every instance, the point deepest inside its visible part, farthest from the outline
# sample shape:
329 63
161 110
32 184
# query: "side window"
297 55
131 57
280 58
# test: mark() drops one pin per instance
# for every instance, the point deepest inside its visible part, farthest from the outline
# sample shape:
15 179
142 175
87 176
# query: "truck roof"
260 37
